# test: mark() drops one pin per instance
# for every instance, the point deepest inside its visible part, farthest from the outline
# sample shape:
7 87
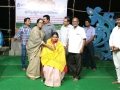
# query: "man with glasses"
76 43
64 31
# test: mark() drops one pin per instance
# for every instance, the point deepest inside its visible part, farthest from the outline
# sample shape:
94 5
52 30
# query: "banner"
57 9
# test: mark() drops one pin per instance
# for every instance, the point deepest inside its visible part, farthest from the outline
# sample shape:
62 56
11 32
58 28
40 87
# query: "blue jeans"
23 55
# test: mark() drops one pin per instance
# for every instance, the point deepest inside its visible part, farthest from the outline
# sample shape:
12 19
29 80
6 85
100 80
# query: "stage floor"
13 78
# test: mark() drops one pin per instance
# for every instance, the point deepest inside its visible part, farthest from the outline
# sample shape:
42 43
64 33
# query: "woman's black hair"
39 20
55 33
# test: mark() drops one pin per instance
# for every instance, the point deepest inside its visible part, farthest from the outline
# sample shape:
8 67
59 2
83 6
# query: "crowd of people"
51 55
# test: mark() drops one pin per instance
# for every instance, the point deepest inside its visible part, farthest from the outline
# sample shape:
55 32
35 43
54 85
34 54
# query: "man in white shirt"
76 43
64 31
114 43
88 55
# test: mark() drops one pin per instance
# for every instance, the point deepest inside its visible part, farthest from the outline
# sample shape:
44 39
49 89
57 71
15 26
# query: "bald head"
75 22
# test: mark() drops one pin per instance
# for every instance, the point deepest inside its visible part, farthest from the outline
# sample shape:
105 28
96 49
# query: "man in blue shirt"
88 55
23 34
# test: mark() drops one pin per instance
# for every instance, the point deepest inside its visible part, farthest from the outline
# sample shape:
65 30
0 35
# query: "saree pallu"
53 62
54 58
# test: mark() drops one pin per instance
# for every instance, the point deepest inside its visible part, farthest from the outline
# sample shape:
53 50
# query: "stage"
13 78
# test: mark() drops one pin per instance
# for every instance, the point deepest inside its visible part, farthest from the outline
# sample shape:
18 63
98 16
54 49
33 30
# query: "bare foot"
24 69
32 78
75 79
115 82
94 69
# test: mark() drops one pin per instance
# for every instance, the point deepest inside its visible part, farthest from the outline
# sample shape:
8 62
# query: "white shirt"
115 37
75 39
89 32
64 34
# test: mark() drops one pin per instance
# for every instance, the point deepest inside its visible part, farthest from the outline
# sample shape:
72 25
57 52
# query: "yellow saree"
54 58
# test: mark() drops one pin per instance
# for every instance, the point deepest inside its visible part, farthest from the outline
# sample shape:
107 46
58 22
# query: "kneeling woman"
53 61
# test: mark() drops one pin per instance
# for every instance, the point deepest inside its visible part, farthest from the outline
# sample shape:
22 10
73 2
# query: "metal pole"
73 8
8 6
9 24
109 6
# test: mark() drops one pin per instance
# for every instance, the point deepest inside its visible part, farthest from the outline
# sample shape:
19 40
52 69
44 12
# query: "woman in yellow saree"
53 61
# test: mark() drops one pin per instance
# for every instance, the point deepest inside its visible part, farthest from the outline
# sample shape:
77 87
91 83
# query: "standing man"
23 34
64 35
88 56
114 43
64 31
76 43
48 27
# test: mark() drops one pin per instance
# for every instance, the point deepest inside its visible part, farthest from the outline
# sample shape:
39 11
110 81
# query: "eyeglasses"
74 21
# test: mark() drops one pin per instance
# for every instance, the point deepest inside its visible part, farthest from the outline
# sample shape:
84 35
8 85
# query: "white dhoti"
116 60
